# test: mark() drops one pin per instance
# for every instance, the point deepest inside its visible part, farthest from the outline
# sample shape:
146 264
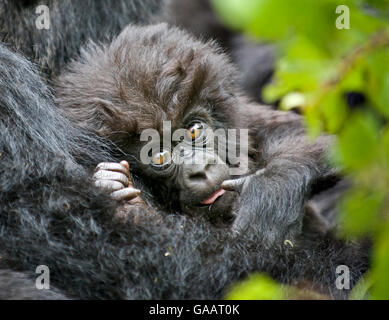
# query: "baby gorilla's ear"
110 116
104 118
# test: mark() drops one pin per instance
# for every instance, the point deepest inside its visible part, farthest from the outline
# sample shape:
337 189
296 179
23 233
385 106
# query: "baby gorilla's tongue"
214 196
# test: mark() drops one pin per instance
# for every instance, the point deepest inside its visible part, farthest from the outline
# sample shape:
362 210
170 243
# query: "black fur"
73 23
18 286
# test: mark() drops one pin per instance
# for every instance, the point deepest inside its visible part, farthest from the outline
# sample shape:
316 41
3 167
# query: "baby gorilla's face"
149 76
188 168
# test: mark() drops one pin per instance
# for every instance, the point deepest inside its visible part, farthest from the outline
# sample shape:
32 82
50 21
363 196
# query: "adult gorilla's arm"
19 286
72 24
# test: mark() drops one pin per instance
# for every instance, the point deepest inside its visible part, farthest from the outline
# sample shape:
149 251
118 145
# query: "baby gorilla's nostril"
198 176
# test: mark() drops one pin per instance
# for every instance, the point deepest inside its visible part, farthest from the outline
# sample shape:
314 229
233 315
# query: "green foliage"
262 287
317 65
256 287
381 265
361 290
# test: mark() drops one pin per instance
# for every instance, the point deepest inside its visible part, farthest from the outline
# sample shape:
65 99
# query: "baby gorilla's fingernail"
228 185
125 164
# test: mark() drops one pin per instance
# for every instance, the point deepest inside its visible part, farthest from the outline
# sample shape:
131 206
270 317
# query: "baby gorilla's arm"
115 179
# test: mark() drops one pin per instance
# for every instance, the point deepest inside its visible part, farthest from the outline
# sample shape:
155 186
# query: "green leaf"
362 289
238 14
334 110
378 81
359 211
256 287
381 4
314 122
385 150
380 290
358 142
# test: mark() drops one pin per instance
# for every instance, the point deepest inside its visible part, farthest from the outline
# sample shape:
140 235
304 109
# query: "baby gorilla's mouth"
213 197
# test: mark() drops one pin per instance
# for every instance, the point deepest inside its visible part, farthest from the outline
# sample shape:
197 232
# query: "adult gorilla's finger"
126 194
111 175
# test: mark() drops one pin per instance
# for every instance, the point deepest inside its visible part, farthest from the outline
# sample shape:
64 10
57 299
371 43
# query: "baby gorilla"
153 75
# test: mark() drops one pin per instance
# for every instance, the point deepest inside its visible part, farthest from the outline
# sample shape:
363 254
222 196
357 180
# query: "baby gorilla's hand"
115 179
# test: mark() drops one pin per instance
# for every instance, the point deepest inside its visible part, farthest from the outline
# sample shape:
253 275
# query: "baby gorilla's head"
163 79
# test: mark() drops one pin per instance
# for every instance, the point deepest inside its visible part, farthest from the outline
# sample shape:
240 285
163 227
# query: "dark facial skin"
195 183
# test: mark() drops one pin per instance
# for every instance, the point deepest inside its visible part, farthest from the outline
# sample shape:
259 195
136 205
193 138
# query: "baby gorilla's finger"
126 194
112 166
111 175
233 185
109 185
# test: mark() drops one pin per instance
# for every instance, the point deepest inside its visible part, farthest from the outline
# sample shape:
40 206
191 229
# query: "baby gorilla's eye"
161 158
195 131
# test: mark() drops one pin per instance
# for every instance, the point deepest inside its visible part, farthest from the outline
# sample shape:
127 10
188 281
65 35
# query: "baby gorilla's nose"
204 172
198 172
